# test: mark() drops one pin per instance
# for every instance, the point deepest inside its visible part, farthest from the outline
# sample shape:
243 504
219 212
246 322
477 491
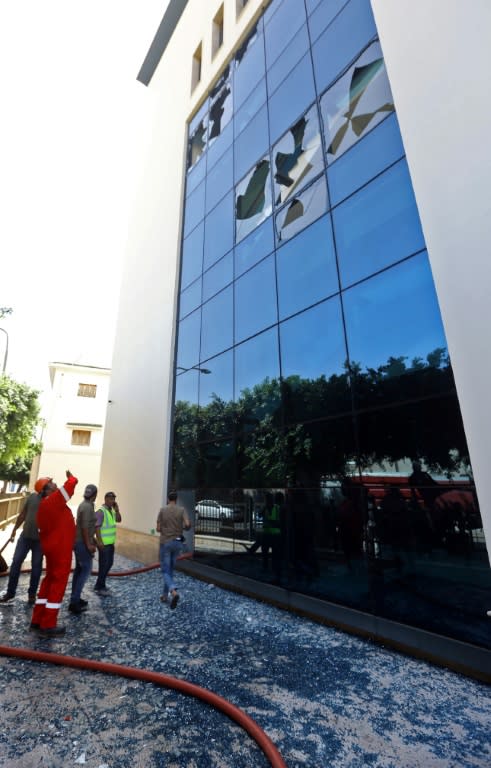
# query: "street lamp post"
6 351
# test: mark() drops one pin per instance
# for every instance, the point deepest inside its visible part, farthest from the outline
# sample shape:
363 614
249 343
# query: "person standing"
106 518
56 527
172 521
85 548
28 542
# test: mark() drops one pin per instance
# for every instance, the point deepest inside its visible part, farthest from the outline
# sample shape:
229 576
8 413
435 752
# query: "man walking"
28 542
171 522
84 548
106 518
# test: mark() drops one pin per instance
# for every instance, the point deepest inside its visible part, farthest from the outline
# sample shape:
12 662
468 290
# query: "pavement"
325 698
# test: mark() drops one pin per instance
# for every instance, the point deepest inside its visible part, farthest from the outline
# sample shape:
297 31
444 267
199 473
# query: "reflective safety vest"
108 527
271 522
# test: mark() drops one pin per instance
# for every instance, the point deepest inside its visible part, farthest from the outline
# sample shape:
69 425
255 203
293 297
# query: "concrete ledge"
467 659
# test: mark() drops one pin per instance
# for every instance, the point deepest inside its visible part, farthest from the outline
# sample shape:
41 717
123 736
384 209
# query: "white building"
314 212
74 426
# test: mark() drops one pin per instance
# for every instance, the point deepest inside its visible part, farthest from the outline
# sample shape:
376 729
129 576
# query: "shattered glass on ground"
325 698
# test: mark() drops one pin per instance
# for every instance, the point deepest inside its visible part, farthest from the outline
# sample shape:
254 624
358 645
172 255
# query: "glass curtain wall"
317 436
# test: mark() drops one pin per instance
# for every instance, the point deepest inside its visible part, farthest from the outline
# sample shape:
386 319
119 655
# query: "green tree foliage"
19 418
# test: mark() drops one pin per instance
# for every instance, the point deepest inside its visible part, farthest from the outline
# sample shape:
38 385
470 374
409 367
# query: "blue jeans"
169 553
82 570
22 549
106 560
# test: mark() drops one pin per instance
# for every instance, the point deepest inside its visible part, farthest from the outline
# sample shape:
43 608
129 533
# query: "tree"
19 418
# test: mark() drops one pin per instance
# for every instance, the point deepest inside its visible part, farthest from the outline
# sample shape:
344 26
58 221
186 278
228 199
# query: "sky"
75 123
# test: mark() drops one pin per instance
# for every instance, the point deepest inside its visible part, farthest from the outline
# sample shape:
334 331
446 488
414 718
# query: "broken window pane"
252 200
302 210
297 157
197 142
356 103
221 108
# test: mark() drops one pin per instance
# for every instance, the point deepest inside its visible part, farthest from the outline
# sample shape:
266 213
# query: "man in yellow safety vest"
106 518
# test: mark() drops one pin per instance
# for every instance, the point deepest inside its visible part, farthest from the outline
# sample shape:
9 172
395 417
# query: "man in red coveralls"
57 534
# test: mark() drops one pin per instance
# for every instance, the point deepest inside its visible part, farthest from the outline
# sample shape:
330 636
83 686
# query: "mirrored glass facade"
316 419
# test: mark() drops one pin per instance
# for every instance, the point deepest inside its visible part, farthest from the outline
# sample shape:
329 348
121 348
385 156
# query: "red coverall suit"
57 535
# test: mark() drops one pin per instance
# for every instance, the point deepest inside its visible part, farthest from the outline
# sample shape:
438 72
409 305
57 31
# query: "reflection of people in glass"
350 522
396 523
271 538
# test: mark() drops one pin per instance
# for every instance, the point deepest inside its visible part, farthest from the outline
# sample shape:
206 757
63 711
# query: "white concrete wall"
438 56
66 408
137 437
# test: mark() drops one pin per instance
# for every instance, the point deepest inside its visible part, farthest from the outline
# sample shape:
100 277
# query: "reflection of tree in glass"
252 201
402 411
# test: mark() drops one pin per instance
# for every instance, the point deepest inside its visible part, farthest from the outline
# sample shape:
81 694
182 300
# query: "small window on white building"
196 71
87 390
240 5
217 32
81 436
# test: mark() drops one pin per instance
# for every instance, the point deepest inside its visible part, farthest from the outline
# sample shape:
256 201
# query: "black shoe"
77 608
174 601
52 631
83 603
33 627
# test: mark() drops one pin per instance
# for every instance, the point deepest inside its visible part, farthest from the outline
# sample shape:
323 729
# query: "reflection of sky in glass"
250 107
220 275
292 98
249 67
251 250
282 27
256 360
394 314
188 340
219 381
192 256
302 210
296 49
306 268
217 324
219 231
194 208
297 157
312 344
187 387
255 300
377 226
190 299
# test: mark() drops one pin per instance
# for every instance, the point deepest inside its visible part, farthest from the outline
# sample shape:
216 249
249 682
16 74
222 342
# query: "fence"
10 507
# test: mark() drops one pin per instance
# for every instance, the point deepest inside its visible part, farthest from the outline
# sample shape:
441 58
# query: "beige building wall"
137 438
70 412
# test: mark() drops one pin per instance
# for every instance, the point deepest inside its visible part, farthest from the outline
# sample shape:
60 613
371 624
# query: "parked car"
213 510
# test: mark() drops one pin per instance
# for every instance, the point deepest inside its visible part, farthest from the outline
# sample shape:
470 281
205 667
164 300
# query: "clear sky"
73 130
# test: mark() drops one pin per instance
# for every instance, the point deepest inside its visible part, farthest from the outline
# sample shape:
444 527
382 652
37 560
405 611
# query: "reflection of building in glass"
307 356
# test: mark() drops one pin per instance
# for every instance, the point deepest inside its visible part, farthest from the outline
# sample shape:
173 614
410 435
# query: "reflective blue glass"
312 4
255 300
301 210
369 157
192 256
188 341
282 28
252 143
348 34
253 203
194 208
197 142
256 360
292 98
249 67
217 324
219 382
187 387
195 176
306 268
219 180
190 298
220 275
377 226
323 14
250 107
312 344
271 10
200 114
297 48
254 247
394 314
220 146
219 231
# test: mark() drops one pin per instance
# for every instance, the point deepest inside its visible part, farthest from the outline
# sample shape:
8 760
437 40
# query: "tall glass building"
314 431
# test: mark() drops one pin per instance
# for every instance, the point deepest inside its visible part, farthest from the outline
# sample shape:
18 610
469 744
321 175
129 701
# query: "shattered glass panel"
197 142
221 109
252 199
297 157
302 210
356 103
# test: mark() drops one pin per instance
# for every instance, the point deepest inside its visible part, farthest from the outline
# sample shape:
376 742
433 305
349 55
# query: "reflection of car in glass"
213 510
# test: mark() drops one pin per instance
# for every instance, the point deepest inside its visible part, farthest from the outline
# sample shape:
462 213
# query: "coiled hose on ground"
158 678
